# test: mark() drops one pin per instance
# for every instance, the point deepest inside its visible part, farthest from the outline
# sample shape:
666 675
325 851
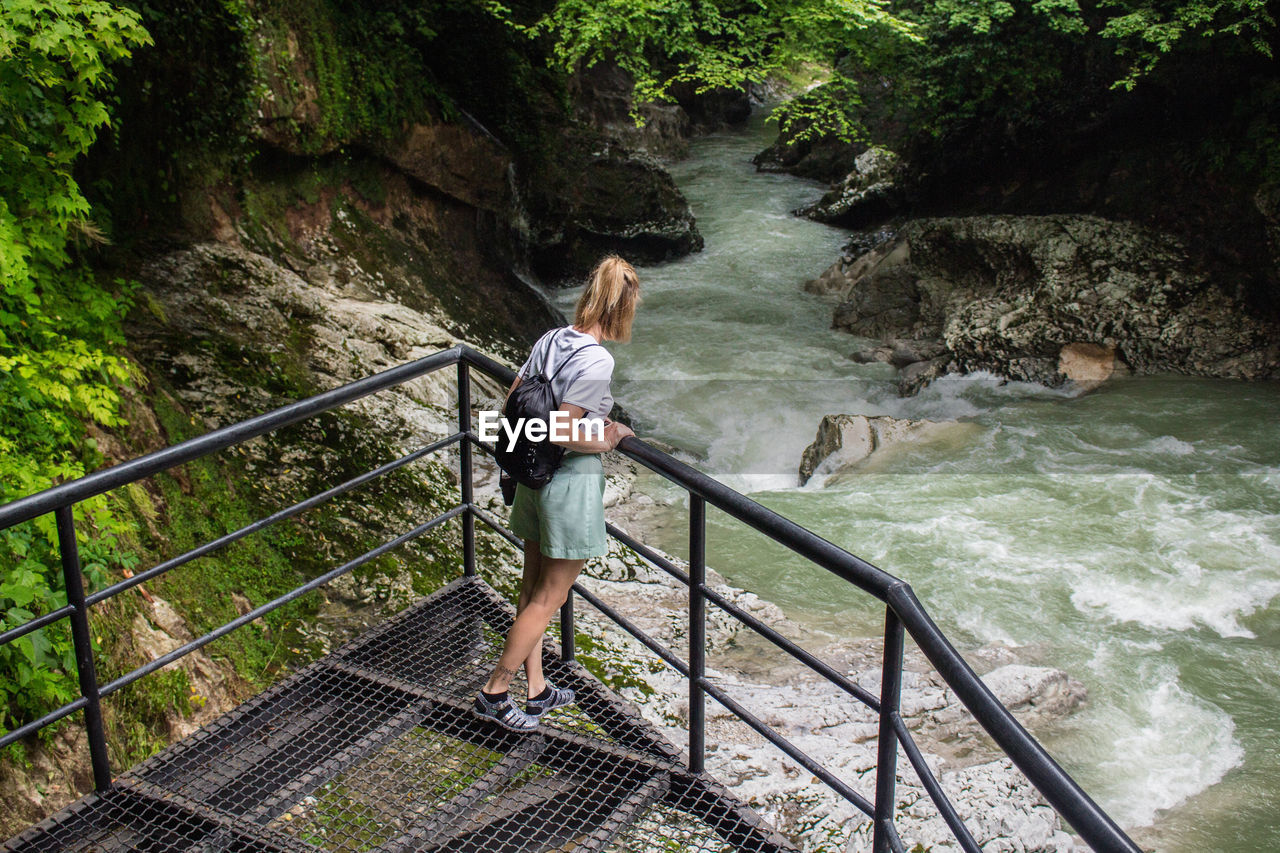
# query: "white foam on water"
1172 605
1163 749
1167 444
977 621
751 483
760 453
1206 570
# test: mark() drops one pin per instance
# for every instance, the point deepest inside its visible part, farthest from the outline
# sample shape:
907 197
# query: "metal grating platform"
374 748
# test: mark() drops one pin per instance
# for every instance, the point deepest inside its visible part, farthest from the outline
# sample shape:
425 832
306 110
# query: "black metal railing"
904 615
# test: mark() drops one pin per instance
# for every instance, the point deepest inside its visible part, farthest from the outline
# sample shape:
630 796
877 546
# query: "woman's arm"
517 381
590 441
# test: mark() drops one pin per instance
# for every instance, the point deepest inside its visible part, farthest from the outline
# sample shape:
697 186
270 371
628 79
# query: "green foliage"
988 60
58 325
53 77
181 107
940 67
999 74
665 44
1144 32
831 110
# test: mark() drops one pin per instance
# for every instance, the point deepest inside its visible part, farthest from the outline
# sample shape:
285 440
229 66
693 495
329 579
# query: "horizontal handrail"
657 560
779 528
48 719
766 731
808 659
631 628
36 623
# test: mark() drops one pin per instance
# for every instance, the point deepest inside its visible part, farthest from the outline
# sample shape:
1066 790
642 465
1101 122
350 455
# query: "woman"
562 523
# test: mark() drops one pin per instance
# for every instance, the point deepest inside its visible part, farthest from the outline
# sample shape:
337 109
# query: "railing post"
566 628
464 470
887 748
697 632
74 584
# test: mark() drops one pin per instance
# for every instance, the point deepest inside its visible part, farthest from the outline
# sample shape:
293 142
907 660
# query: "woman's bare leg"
528 583
549 593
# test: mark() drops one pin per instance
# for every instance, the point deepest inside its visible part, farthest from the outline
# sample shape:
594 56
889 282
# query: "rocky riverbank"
1046 299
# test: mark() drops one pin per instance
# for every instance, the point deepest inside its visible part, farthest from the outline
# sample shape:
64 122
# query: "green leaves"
941 67
1145 32
20 587
830 111
58 324
707 44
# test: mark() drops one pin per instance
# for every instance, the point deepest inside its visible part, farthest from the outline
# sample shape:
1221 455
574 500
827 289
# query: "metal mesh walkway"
374 748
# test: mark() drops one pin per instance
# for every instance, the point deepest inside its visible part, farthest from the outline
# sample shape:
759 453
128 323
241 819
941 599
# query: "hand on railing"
614 432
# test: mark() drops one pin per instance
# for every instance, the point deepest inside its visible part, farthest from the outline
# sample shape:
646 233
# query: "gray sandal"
557 698
504 713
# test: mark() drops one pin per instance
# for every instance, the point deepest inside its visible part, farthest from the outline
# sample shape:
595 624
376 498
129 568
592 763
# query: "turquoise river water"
1130 536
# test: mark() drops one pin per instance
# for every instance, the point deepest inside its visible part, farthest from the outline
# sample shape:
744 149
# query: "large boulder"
1089 365
880 294
867 195
845 440
1029 297
598 197
823 159
818 153
800 151
604 97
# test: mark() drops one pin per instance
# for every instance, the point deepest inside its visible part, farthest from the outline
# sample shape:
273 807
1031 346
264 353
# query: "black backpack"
531 462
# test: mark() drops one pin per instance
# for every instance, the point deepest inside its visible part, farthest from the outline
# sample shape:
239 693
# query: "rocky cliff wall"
602 98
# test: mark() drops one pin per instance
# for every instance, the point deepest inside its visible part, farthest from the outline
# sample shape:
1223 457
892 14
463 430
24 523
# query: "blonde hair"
610 299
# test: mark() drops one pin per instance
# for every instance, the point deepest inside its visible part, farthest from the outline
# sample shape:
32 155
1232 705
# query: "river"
1130 536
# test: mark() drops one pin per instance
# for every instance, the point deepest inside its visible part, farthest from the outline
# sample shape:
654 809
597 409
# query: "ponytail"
610 299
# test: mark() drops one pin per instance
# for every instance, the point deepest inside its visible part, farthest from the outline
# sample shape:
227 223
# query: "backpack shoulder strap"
550 338
570 358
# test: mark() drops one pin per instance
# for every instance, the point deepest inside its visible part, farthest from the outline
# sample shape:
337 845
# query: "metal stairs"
374 748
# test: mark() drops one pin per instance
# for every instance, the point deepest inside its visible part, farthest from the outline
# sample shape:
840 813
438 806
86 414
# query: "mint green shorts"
566 516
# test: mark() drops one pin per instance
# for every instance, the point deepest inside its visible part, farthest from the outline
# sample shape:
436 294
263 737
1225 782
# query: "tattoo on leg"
503 671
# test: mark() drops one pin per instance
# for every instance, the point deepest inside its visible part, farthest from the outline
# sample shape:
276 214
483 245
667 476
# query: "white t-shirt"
584 381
